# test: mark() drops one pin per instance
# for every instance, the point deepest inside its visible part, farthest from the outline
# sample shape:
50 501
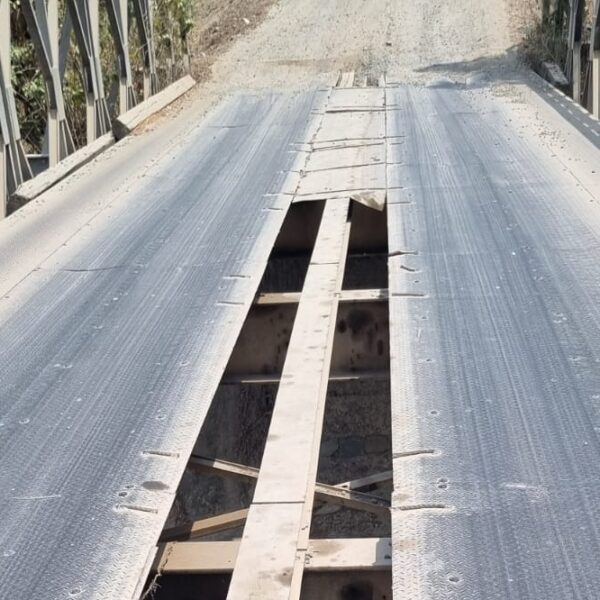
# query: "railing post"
94 26
84 16
118 19
54 150
574 52
42 23
595 59
143 15
4 74
14 168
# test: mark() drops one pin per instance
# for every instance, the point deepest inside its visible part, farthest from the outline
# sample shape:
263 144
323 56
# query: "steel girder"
118 19
143 16
14 167
84 16
42 22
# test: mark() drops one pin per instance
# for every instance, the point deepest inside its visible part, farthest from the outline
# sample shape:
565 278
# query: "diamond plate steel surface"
495 316
108 368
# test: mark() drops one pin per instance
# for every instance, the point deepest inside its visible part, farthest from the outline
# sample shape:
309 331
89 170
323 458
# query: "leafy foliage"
173 20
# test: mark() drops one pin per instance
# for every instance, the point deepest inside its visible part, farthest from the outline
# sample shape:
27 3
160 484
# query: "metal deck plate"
109 366
495 315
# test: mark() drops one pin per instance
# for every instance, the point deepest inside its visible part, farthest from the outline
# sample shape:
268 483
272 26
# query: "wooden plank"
375 199
345 143
277 298
196 557
351 99
286 460
208 526
360 554
352 499
346 156
372 295
346 79
50 177
343 127
284 494
253 379
127 122
216 466
341 179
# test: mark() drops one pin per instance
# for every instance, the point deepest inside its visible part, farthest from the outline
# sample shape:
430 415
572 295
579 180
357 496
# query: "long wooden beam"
272 553
253 378
371 295
334 555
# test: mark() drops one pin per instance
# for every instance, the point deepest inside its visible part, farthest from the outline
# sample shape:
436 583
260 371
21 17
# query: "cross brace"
84 16
42 22
14 168
347 497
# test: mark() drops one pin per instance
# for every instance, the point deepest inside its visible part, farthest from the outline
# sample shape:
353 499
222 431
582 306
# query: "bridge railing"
52 38
585 82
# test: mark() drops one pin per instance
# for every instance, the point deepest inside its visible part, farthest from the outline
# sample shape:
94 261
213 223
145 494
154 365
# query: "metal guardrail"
52 42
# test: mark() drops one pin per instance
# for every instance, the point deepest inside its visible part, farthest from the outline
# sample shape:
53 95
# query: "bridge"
333 340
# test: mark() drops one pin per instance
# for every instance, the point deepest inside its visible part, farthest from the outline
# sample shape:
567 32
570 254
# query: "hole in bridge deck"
289 260
367 262
356 440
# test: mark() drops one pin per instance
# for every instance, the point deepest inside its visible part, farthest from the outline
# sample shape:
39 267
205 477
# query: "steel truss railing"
585 82
52 43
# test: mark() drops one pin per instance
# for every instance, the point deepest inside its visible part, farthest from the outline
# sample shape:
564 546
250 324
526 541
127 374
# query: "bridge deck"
112 346
110 356
496 357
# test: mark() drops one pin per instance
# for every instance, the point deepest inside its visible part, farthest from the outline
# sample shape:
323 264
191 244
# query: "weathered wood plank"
215 466
342 179
126 123
343 127
360 554
207 526
50 177
372 295
251 378
285 488
346 79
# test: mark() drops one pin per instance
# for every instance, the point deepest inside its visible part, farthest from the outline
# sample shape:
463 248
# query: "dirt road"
300 42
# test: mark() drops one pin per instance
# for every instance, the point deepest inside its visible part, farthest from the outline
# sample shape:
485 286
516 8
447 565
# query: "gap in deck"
367 262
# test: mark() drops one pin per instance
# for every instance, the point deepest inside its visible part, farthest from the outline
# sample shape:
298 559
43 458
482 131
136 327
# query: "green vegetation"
173 20
546 38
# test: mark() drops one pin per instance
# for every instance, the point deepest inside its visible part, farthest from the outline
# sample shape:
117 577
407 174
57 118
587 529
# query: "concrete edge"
127 122
50 177
574 114
122 126
553 74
